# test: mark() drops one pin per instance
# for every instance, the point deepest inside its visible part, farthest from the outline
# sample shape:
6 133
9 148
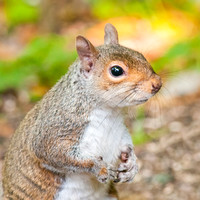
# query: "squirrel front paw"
103 172
127 168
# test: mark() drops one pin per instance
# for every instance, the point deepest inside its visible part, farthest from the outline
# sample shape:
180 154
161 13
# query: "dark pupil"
117 71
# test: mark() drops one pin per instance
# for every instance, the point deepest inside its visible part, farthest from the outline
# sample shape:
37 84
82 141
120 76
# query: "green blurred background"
37 36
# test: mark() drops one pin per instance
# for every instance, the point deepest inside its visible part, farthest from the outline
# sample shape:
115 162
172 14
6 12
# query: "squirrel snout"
156 84
156 87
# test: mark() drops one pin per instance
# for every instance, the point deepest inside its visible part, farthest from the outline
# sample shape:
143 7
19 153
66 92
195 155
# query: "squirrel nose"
156 85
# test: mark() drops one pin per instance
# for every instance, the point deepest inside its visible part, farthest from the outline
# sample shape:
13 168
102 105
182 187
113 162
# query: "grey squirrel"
73 144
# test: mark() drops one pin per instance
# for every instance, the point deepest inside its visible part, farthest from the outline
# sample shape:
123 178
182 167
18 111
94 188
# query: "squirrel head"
117 75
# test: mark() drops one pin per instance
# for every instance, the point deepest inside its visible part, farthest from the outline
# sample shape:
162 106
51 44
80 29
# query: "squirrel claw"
103 179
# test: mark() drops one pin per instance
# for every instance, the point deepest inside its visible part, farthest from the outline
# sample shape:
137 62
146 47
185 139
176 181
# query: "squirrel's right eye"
116 70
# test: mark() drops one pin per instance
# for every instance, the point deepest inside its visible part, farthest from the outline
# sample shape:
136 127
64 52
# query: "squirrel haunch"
74 143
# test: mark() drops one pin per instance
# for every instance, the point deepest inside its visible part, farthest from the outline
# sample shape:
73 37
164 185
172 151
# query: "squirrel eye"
116 70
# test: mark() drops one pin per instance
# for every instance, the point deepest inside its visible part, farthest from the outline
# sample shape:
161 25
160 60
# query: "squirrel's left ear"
86 52
111 35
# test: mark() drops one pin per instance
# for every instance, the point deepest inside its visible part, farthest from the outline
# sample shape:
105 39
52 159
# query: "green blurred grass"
180 56
46 58
43 61
21 11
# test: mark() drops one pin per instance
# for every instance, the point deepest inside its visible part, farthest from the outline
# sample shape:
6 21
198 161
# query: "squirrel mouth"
141 101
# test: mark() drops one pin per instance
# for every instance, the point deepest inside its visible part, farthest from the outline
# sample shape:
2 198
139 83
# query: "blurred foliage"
162 178
44 59
21 11
106 8
140 137
181 56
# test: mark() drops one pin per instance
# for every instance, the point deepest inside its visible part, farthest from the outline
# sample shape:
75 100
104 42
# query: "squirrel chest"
103 135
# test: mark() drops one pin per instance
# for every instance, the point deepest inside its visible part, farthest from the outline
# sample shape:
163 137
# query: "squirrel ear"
111 35
86 52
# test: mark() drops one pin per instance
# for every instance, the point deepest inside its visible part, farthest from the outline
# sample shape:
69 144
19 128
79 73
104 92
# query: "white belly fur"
82 187
103 137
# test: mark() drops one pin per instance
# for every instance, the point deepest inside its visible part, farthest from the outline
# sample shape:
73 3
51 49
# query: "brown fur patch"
32 182
103 171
